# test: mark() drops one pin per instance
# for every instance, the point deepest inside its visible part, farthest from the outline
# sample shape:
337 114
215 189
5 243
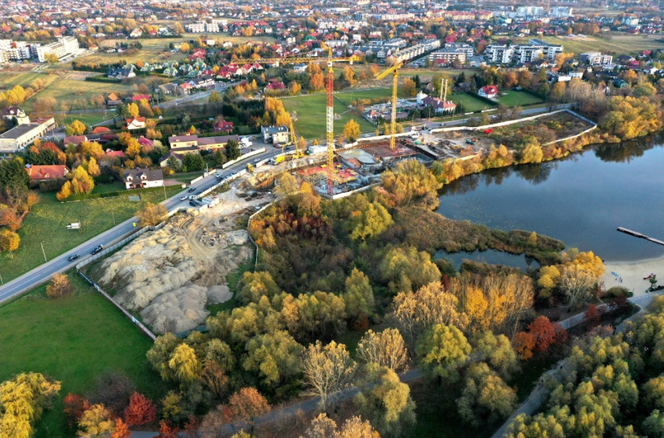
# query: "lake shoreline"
633 273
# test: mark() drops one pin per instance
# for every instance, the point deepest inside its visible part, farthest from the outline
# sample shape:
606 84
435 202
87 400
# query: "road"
44 272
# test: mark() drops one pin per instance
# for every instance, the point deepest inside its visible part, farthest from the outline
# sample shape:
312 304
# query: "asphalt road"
44 272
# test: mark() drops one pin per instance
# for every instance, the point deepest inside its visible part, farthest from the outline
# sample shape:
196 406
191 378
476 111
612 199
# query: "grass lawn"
311 116
48 219
514 98
73 340
618 44
375 93
89 118
470 103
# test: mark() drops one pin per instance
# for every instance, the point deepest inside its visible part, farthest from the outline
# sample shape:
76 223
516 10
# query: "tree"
152 214
653 393
96 421
409 87
177 28
82 182
257 285
275 356
74 406
59 287
352 130
51 58
13 174
387 404
246 405
485 397
232 150
373 221
524 344
184 364
497 351
76 128
9 240
295 88
317 81
327 370
644 89
324 427
65 191
121 429
654 424
133 148
546 333
286 185
192 162
406 269
386 348
576 283
23 400
93 167
141 410
442 349
215 97
359 296
168 430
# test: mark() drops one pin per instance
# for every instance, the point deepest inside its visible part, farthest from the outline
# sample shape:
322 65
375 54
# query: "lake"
580 200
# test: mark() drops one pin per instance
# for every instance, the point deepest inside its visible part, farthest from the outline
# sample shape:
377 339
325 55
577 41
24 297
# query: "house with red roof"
115 154
223 126
145 142
100 130
488 91
136 123
75 139
139 97
46 173
276 86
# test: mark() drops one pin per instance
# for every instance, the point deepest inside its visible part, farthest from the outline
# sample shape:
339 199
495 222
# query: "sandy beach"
632 274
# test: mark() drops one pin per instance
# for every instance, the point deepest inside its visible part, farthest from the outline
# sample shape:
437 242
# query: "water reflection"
622 153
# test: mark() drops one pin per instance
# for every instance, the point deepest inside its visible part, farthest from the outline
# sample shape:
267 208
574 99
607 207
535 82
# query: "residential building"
13 112
275 134
488 91
46 173
181 142
20 136
596 59
504 54
61 48
223 126
124 72
143 178
447 56
136 123
75 140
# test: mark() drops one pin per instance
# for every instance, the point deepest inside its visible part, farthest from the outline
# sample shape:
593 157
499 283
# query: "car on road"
257 160
192 189
73 257
97 250
183 198
193 203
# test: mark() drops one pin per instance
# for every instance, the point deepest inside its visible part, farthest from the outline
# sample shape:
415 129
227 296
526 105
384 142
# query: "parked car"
73 257
98 249
193 203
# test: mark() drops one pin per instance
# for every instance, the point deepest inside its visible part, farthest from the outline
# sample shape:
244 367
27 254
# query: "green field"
47 223
616 44
470 103
89 118
350 95
73 340
520 98
311 116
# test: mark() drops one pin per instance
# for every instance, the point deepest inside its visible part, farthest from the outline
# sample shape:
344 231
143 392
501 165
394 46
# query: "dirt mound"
177 310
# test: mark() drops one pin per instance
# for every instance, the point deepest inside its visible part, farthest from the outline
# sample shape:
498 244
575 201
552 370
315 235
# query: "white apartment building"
63 47
503 54
596 59
448 55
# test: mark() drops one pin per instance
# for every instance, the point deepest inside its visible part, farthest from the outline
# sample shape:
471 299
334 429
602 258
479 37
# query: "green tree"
215 97
192 162
13 175
232 150
387 404
275 357
442 350
654 424
160 353
359 296
485 397
406 269
373 220
497 351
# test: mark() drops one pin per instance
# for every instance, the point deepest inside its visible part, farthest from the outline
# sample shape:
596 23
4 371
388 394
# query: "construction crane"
329 115
298 153
395 85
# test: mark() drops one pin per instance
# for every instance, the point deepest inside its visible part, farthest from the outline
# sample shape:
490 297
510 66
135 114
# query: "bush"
617 291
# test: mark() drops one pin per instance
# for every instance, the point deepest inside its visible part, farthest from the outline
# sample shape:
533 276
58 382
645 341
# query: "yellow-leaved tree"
23 400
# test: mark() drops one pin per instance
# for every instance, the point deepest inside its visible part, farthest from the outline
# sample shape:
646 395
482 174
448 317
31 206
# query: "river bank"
633 274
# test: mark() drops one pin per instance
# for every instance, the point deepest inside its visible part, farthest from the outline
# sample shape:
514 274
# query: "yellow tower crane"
395 85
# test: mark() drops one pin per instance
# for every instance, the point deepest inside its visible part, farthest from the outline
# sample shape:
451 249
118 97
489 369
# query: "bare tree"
576 283
327 370
386 348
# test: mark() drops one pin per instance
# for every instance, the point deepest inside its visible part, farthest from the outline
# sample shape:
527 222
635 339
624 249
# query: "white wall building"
61 48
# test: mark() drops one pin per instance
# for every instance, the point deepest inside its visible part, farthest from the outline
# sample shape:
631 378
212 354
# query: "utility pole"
43 252
164 187
113 214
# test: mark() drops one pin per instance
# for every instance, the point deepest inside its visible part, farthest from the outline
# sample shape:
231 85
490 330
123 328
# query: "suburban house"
120 73
488 91
136 123
75 139
143 178
440 106
223 126
178 142
113 100
46 173
100 130
139 97
177 155
12 112
274 134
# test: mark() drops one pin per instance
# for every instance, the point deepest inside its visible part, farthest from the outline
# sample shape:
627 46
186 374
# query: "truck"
245 142
316 149
250 168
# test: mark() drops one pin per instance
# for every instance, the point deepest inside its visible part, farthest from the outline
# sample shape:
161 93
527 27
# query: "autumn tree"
23 400
387 404
120 429
184 364
441 350
74 406
168 430
141 410
75 128
576 283
152 214
497 351
409 87
524 344
96 421
93 167
9 240
358 295
406 269
317 81
352 130
274 356
386 348
410 183
257 285
372 221
246 405
59 286
327 370
177 28
486 398
546 333
81 182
